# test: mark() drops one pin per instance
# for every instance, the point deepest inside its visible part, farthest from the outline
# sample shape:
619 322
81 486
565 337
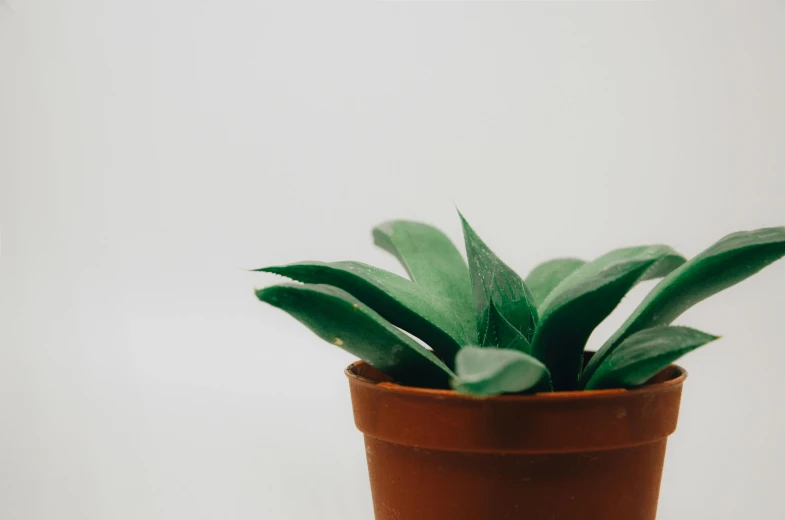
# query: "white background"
151 151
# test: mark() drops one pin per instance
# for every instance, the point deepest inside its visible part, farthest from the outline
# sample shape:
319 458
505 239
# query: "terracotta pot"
438 455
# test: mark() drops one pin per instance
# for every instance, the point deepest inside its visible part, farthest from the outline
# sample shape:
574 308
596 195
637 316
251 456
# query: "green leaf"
493 281
726 263
502 334
568 320
485 371
337 317
398 300
665 261
432 260
545 277
644 354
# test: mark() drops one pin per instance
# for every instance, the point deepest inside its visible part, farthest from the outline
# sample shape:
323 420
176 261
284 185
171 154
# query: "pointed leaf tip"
402 302
644 354
493 280
727 262
342 320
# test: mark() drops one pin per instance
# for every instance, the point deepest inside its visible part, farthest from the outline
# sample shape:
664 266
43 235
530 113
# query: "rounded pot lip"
675 378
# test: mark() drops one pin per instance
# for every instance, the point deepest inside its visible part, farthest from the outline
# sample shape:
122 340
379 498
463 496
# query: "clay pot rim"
675 378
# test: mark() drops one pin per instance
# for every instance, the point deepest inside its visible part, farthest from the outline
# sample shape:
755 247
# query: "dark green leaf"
432 260
337 317
665 261
502 334
545 277
400 301
568 320
493 281
726 263
484 371
644 354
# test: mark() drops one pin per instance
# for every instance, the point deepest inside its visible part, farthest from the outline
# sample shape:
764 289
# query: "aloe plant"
492 332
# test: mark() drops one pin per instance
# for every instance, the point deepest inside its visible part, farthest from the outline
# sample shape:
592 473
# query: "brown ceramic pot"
438 455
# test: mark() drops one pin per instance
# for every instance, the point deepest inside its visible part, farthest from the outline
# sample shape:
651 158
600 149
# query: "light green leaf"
726 263
665 261
644 354
569 319
545 277
493 281
432 260
339 318
398 300
485 371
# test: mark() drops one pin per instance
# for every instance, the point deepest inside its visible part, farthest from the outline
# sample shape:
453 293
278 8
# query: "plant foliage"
490 331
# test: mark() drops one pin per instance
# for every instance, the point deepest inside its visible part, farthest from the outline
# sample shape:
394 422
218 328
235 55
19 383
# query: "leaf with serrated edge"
339 318
433 261
726 263
400 301
666 259
644 354
569 319
545 277
493 280
486 371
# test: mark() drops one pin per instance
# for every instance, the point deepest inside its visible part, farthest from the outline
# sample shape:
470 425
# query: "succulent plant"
492 332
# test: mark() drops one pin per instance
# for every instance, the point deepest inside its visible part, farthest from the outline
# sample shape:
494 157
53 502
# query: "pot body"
438 455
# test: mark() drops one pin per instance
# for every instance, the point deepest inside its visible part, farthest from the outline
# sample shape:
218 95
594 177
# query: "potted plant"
505 416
